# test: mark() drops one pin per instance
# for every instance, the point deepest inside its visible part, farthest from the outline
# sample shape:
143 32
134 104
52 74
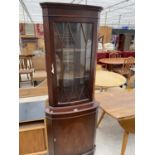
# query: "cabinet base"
71 130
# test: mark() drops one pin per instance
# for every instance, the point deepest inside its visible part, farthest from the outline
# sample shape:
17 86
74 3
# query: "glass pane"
73 43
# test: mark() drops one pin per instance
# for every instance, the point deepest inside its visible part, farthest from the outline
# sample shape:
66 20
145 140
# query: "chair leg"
31 75
101 89
124 143
100 119
35 83
128 79
104 66
27 76
110 67
20 79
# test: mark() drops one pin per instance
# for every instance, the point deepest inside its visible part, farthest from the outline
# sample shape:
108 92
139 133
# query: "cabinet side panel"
32 141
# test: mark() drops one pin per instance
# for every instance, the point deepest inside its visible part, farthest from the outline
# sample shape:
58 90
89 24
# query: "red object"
39 30
102 55
22 28
126 54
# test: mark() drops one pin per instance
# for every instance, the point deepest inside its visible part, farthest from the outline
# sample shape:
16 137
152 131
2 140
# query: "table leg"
128 124
100 119
124 143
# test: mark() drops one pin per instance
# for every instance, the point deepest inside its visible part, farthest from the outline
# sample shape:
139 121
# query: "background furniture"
105 31
125 70
114 55
32 128
26 68
133 69
29 43
106 79
131 82
40 67
114 61
103 54
128 124
114 64
123 38
121 106
39 90
121 42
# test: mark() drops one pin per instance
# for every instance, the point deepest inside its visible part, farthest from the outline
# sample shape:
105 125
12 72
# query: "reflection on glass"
73 43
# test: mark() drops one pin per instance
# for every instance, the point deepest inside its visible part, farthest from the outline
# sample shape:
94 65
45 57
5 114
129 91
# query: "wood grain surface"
109 79
112 61
118 104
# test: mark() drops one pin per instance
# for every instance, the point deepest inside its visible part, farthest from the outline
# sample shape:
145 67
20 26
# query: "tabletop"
112 61
118 104
109 79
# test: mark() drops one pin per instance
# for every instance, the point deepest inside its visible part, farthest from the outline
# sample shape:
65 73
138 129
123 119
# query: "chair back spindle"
114 55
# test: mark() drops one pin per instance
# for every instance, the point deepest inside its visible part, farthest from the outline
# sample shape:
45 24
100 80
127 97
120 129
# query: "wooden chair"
125 69
40 68
114 55
26 68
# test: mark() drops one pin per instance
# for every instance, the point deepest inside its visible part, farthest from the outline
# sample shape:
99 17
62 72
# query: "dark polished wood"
72 114
71 130
57 12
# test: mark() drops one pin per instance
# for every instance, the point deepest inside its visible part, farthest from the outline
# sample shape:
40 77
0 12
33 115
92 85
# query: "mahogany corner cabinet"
70 32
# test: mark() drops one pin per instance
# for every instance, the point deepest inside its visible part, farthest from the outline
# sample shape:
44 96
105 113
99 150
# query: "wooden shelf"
33 138
28 37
